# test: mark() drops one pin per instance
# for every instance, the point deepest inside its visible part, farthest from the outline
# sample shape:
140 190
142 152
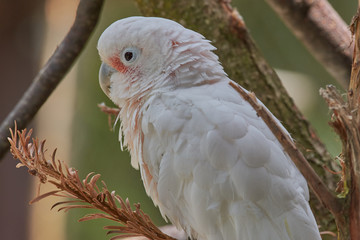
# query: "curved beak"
104 77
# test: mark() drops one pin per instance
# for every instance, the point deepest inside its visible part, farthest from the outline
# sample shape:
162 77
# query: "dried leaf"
19 165
96 216
67 208
42 196
65 202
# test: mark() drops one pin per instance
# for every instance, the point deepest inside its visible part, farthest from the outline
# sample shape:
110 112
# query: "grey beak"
104 77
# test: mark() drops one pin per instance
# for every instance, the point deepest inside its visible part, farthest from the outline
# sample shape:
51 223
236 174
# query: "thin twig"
112 113
108 110
53 72
316 184
320 28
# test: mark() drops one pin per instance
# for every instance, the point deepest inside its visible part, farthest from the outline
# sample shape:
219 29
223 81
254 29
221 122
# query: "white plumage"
206 159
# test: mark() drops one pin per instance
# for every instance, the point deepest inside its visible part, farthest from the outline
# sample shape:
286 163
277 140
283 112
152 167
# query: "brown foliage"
80 193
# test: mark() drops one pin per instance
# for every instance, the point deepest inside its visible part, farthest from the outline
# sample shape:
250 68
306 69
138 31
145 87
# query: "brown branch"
354 86
83 193
325 197
352 122
320 28
344 124
54 70
316 184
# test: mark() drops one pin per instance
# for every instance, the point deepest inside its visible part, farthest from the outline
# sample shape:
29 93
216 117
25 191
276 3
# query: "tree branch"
55 69
346 121
316 184
353 132
320 28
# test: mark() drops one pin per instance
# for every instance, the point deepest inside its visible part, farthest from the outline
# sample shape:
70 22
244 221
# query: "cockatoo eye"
129 55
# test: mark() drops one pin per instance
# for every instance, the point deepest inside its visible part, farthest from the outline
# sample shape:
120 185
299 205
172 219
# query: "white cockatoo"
207 160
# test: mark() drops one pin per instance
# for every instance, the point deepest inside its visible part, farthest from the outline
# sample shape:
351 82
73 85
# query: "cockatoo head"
143 55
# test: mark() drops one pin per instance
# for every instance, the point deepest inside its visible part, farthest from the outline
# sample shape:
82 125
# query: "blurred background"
71 121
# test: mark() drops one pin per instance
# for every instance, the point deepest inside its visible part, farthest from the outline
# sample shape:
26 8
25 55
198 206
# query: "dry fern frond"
83 193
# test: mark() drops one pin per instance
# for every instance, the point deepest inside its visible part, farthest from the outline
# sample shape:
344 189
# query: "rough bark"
243 62
320 28
352 146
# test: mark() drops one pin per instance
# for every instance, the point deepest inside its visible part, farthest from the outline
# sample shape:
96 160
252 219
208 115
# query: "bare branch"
346 121
322 193
320 28
344 124
354 86
325 197
352 121
54 70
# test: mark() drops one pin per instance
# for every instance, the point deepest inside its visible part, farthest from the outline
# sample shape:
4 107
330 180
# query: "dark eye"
129 55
